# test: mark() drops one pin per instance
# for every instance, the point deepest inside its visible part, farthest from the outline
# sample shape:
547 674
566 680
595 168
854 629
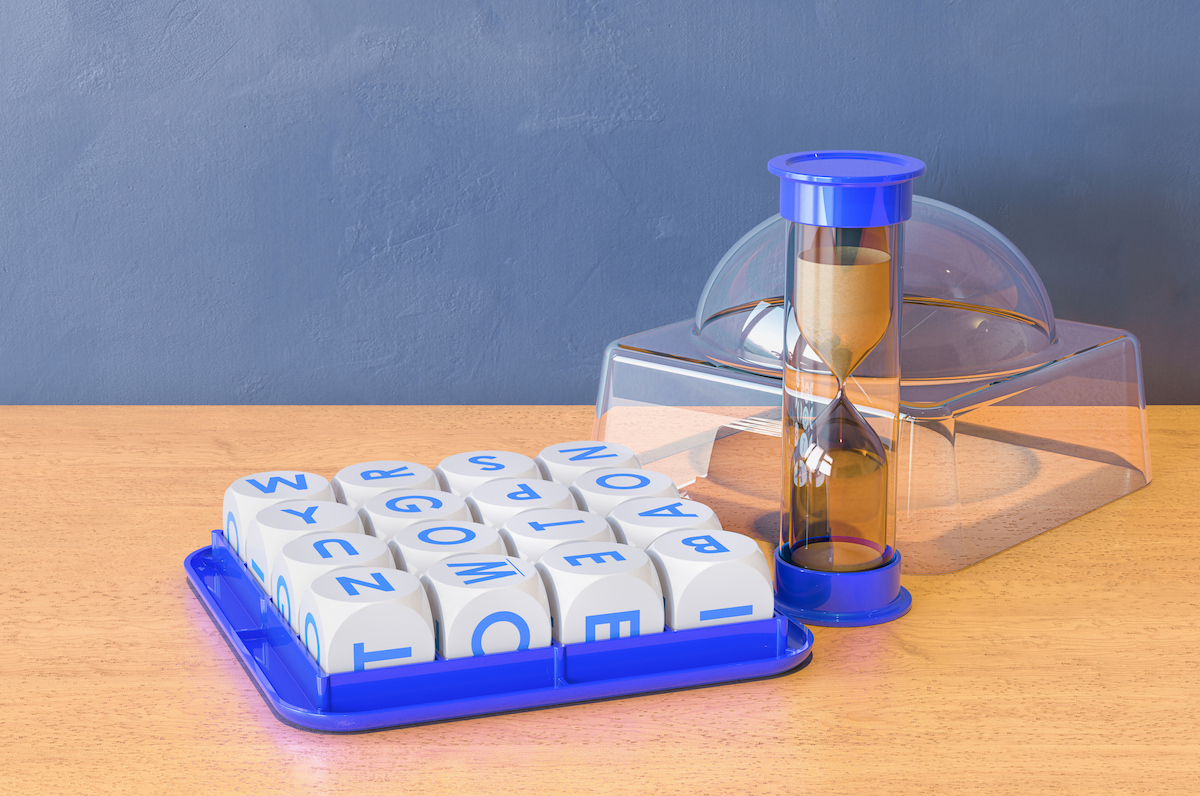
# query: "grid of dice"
392 563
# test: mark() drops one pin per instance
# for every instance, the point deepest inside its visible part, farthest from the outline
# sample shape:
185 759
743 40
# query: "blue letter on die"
613 621
597 557
322 547
587 453
669 510
380 584
705 544
500 616
362 657
374 475
524 493
412 508
274 481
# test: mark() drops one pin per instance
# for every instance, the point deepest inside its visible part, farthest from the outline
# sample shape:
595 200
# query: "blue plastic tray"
300 693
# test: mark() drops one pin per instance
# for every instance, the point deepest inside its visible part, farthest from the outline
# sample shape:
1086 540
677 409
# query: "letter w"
276 480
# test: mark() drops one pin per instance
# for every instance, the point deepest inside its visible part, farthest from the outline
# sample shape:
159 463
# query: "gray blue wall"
220 201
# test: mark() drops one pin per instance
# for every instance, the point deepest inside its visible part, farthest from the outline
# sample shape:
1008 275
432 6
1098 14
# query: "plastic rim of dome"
986 274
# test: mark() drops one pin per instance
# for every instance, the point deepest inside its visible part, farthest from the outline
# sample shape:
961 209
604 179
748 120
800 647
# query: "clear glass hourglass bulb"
843 289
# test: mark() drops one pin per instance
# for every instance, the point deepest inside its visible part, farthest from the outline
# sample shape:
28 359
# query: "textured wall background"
214 201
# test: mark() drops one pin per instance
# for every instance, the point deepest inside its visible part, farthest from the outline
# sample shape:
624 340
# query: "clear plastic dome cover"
973 305
1011 422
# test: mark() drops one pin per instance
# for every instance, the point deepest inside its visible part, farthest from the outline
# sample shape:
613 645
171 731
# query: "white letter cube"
387 514
531 533
484 604
566 461
247 496
303 560
495 502
358 483
462 472
603 490
277 525
712 578
642 520
422 544
602 591
362 618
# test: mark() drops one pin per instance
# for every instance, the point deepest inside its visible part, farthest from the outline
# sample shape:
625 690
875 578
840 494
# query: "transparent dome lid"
973 305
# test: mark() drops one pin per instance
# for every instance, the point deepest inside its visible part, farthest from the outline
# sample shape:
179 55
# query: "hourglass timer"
836 563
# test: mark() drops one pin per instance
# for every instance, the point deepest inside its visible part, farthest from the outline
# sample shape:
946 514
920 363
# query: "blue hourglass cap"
845 188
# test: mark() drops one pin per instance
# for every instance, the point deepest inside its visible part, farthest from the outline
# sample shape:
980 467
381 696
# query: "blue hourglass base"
840 599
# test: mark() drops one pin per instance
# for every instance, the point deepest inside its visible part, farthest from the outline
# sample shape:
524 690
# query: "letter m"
470 569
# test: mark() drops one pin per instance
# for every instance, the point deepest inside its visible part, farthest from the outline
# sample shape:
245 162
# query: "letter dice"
531 533
303 560
603 490
642 520
366 618
712 578
358 483
483 604
247 496
566 461
387 514
600 590
462 472
495 502
277 525
422 544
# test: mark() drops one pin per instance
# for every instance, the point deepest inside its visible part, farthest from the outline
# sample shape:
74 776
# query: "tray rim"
790 658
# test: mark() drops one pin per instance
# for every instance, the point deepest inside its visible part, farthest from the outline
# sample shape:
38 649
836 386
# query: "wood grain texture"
1069 663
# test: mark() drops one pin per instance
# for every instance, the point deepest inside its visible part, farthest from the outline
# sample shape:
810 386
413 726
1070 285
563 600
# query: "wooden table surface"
1067 664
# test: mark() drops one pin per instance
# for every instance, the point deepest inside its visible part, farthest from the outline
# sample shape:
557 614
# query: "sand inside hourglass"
839 493
844 304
